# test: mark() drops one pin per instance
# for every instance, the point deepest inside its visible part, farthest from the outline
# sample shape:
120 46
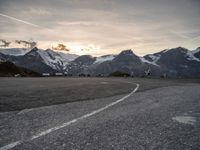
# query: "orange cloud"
61 47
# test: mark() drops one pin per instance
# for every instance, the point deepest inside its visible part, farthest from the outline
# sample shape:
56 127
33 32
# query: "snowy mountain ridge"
174 62
14 51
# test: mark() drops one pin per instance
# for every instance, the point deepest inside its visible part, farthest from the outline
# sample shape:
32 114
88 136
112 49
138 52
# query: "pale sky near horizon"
103 26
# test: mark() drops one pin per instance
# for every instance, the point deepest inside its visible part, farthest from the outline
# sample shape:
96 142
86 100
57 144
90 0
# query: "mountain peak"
127 56
34 49
176 50
180 47
127 52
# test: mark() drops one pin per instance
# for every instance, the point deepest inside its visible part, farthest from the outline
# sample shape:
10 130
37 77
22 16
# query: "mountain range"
175 62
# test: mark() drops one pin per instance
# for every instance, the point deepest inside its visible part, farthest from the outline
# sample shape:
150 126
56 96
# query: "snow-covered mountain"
40 60
56 60
87 64
14 51
127 62
175 62
174 54
64 56
194 55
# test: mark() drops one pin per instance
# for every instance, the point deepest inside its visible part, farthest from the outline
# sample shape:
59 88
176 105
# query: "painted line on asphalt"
10 146
24 111
43 133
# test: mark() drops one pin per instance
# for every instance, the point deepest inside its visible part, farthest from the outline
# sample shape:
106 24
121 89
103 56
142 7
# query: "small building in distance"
58 74
45 74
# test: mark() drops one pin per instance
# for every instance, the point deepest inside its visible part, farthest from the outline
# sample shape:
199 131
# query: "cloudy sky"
103 26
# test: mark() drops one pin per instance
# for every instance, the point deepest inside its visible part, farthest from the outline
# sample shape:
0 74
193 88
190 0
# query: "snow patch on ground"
190 56
185 119
154 58
104 58
149 62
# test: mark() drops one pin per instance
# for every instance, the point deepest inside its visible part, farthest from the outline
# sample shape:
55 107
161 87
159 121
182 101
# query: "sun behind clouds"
80 49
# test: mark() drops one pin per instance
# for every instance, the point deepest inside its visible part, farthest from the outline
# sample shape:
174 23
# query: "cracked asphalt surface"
142 121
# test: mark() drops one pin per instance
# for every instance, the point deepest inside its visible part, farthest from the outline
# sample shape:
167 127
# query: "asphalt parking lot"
99 113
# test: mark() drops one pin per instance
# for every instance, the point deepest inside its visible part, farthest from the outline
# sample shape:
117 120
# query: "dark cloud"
29 43
4 43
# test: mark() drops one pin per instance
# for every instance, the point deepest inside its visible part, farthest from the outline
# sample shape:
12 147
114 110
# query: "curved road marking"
10 146
43 133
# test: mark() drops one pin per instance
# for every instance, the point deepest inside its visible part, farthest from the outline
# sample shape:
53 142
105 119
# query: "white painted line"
43 133
185 119
84 116
24 111
10 146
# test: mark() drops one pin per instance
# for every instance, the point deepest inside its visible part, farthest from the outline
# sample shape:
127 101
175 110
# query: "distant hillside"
8 69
